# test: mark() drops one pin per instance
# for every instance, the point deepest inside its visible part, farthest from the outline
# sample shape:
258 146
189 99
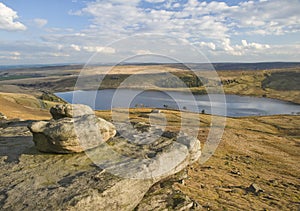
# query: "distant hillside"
40 67
255 66
282 81
239 66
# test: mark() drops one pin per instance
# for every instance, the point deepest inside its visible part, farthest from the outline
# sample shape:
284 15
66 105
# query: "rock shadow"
14 146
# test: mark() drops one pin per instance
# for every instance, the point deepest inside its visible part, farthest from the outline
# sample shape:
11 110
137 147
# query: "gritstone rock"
64 134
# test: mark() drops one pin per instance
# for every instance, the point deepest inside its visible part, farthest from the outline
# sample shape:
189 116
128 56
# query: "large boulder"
70 110
69 135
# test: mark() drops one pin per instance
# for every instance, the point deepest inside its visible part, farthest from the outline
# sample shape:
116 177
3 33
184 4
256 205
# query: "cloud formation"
197 21
8 19
213 20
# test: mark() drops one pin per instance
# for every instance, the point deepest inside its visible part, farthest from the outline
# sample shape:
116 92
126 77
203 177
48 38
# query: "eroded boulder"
70 110
64 134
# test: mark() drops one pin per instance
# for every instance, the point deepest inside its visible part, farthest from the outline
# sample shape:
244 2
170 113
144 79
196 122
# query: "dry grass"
24 106
248 155
262 150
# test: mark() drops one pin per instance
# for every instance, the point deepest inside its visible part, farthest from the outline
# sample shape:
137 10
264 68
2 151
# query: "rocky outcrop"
70 110
149 154
74 128
115 175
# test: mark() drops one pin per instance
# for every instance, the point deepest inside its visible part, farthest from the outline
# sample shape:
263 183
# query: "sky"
74 31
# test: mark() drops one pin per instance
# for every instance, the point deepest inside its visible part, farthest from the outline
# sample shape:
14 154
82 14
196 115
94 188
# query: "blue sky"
71 31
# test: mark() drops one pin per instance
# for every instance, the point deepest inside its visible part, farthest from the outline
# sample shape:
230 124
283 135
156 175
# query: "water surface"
229 105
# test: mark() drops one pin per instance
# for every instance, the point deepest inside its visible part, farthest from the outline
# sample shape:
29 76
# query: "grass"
24 106
259 150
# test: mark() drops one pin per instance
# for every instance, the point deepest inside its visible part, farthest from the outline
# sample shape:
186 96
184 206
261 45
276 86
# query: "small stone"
254 188
2 116
156 111
273 182
236 172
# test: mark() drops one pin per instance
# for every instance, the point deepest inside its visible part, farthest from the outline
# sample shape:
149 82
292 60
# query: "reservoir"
217 104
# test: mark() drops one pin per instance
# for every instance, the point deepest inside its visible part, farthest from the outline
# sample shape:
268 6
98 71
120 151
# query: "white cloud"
244 43
209 45
194 20
254 45
75 47
226 44
176 5
246 48
143 52
15 53
40 22
80 34
59 54
268 17
115 16
10 55
99 49
8 19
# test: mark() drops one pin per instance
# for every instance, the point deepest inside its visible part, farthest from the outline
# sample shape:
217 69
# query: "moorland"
255 167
